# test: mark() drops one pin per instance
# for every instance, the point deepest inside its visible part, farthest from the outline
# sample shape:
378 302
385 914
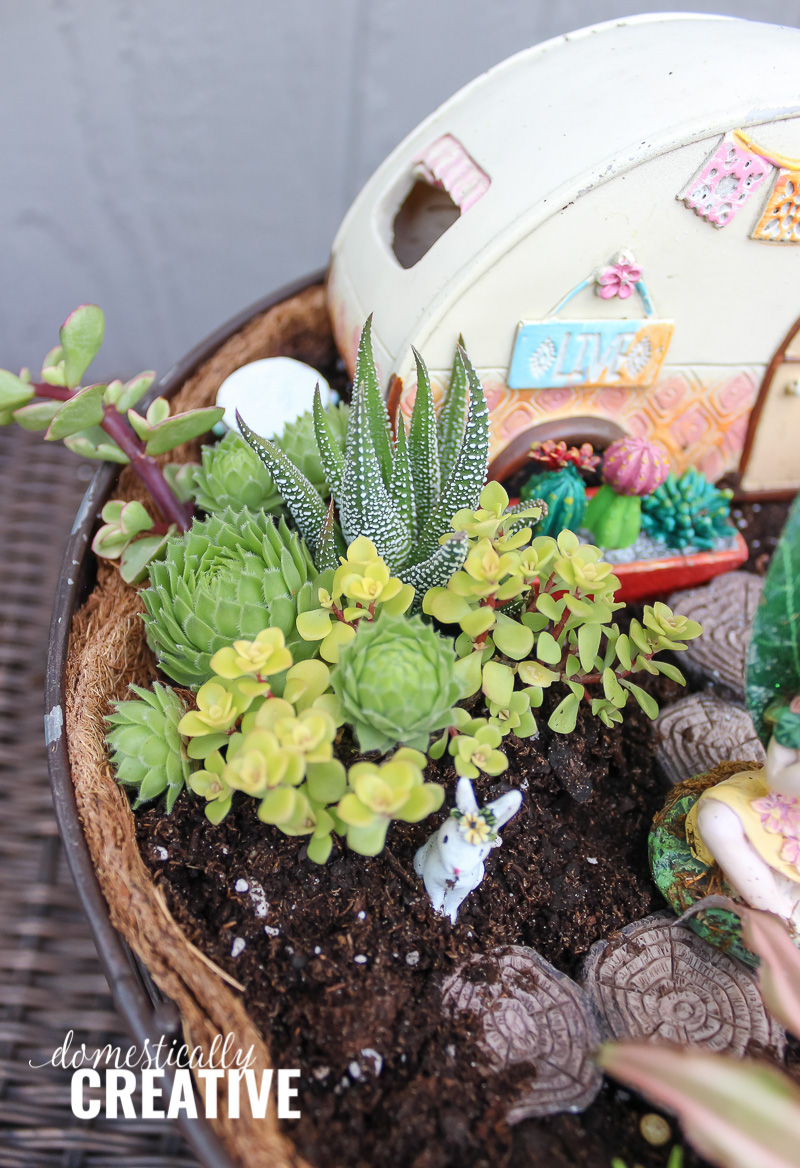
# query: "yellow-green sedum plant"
539 611
362 587
277 750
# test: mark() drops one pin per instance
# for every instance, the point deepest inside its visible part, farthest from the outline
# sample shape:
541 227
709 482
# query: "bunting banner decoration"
780 222
728 178
725 182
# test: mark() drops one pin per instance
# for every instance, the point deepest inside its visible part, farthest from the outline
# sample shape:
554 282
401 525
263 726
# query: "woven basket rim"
147 1011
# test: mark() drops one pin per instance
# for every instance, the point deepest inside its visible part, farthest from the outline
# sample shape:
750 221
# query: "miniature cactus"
147 749
233 475
396 682
559 485
227 578
632 467
398 493
687 511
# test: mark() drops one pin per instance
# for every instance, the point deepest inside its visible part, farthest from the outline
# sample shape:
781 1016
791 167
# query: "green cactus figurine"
632 467
687 511
559 484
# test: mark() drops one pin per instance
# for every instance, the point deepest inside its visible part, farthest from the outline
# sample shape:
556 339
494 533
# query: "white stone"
238 946
360 959
241 886
259 899
269 393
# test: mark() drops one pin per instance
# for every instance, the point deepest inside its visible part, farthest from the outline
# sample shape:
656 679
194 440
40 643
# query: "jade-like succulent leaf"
14 392
38 415
138 555
81 336
181 428
133 390
95 443
565 715
83 410
773 659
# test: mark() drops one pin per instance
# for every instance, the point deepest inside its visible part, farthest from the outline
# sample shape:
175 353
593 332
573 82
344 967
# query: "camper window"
424 216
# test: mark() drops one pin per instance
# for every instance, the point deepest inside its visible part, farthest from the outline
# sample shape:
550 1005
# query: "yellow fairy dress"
771 821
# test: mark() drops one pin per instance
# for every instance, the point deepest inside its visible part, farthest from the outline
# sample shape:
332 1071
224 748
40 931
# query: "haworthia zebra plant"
400 493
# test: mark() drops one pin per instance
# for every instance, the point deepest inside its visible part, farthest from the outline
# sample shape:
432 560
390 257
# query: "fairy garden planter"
363 753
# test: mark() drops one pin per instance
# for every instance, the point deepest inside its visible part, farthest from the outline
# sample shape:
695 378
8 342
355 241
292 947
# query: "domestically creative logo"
158 1077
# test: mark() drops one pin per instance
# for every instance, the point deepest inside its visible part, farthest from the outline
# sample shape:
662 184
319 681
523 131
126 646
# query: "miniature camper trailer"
612 221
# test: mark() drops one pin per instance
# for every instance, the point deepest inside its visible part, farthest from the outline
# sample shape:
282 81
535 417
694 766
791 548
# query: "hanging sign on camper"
625 352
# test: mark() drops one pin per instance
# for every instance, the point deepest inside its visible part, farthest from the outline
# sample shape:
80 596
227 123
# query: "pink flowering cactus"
634 466
620 278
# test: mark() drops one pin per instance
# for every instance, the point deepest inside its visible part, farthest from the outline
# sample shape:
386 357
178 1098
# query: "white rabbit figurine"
451 861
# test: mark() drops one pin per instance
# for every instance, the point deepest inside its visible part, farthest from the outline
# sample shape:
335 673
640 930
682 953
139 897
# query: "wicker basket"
97 649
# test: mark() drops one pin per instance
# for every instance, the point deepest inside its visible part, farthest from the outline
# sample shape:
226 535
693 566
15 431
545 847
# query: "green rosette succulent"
147 749
396 682
226 579
233 475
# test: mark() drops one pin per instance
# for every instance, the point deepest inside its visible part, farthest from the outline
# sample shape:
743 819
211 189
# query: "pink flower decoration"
790 852
618 279
778 813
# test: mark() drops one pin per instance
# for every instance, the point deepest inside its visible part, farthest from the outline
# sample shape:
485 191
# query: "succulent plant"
148 751
378 794
226 579
396 682
233 475
559 485
539 611
687 511
101 421
632 467
361 588
400 494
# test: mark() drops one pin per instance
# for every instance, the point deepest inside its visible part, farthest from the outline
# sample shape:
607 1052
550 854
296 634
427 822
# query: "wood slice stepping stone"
530 1013
725 608
660 981
699 731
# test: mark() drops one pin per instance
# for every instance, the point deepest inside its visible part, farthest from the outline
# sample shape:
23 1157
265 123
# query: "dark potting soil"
342 964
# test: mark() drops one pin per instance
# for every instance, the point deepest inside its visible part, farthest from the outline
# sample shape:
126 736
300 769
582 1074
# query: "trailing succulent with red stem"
102 422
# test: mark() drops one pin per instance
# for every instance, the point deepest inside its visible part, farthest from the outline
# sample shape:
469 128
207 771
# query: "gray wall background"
173 160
